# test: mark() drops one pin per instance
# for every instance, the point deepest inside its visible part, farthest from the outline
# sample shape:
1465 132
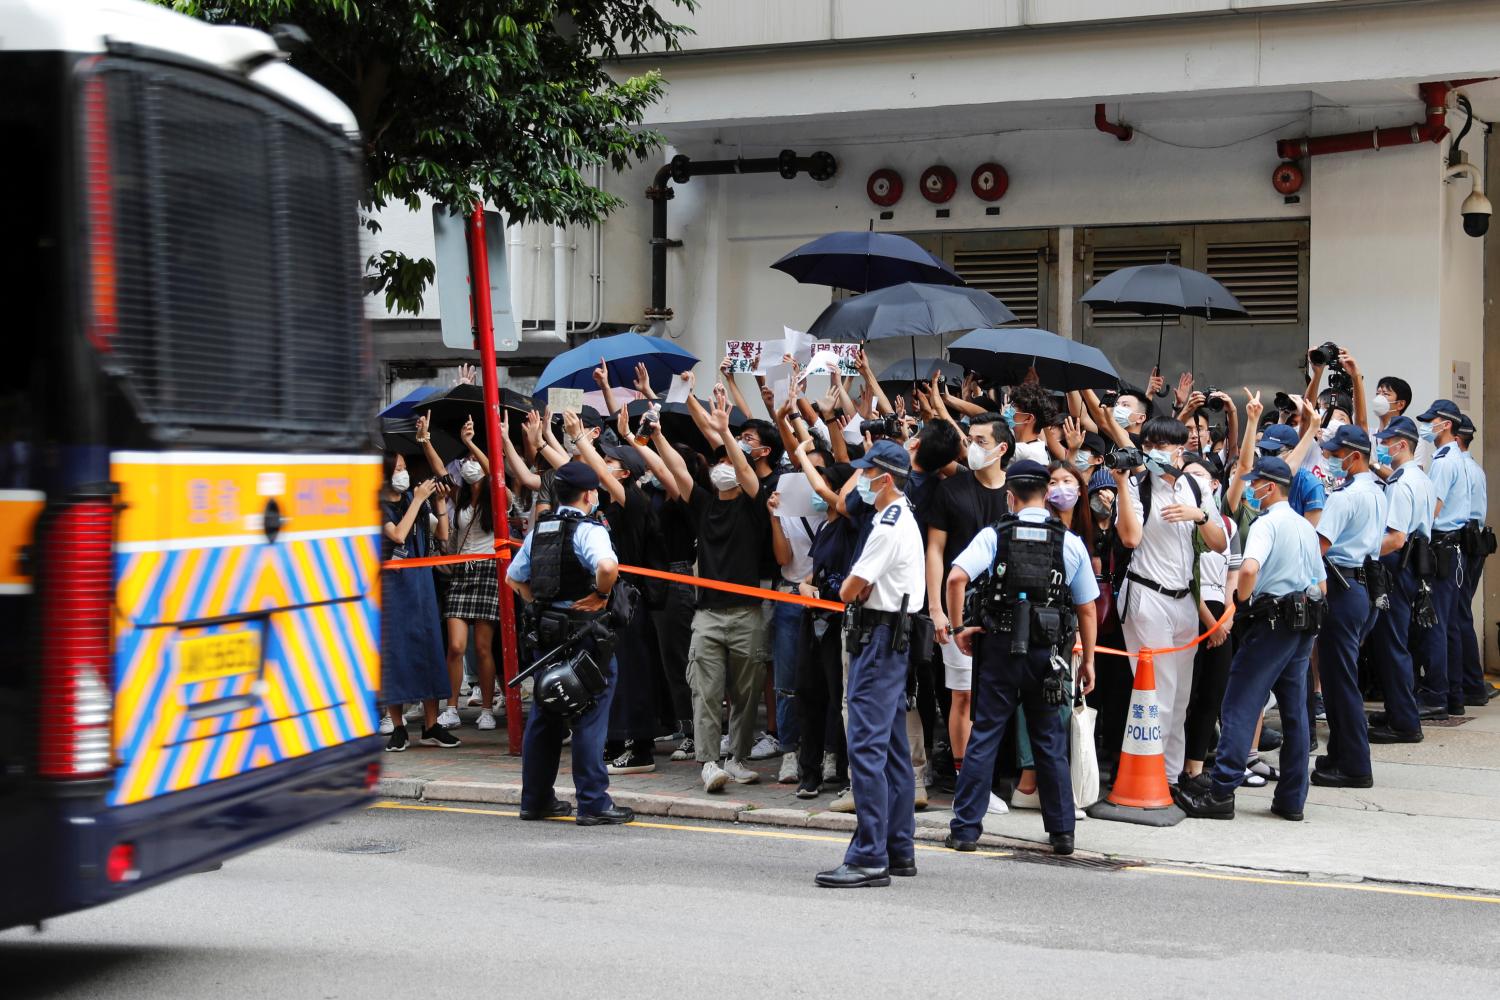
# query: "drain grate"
370 847
1070 861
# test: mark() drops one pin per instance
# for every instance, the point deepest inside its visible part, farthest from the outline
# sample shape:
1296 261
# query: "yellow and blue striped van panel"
298 618
18 513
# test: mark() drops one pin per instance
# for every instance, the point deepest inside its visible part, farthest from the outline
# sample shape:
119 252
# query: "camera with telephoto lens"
1211 401
888 426
1284 403
1124 459
1327 355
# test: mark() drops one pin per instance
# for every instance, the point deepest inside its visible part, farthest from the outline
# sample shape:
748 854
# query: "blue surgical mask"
1252 501
819 505
1009 413
1382 455
1160 455
747 448
1082 460
866 491
1424 430
1335 466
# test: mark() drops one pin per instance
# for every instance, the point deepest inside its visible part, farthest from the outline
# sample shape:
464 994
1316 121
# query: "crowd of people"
1170 494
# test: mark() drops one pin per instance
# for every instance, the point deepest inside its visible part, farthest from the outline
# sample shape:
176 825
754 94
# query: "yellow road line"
1303 884
733 831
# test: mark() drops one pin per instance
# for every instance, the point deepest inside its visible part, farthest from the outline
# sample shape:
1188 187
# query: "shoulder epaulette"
891 515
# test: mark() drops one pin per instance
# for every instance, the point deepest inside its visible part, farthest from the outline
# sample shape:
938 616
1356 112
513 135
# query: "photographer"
1157 514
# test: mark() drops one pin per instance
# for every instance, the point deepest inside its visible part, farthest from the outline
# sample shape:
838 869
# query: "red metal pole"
484 337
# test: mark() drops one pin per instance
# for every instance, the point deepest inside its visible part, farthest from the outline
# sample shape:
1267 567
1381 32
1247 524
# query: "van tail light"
120 865
372 776
102 321
76 586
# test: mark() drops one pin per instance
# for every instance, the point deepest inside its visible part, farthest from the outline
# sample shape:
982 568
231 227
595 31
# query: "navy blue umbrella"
407 406
621 353
910 309
1006 356
861 262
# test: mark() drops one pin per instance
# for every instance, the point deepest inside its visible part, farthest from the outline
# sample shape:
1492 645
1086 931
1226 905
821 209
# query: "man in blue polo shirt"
1307 495
1442 687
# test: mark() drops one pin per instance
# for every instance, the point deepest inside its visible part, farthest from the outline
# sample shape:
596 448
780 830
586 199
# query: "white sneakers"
737 770
486 720
766 747
1025 800
475 698
449 719
919 796
714 777
386 725
830 766
844 803
997 806
413 712
789 771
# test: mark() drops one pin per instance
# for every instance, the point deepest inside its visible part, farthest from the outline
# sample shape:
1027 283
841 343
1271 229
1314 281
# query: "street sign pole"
484 337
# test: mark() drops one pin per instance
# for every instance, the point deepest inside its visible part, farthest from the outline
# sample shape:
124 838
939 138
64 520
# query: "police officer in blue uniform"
884 590
1478 543
1036 584
1283 579
1351 531
1442 686
566 569
1410 504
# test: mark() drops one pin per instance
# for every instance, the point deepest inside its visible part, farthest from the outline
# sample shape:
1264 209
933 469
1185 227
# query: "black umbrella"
678 422
1164 290
910 309
400 436
924 369
1006 356
864 261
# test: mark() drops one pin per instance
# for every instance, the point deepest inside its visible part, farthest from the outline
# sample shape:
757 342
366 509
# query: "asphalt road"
472 903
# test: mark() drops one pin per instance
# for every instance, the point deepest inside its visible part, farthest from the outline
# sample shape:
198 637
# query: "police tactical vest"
1028 560
556 573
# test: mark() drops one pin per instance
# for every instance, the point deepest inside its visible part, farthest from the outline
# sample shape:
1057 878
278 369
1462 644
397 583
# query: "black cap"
1446 409
629 458
577 476
1348 436
1271 469
1026 473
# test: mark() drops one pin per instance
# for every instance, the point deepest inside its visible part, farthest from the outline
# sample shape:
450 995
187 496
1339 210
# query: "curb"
929 827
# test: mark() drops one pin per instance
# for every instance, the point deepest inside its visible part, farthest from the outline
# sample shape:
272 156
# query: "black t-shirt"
832 555
678 536
732 536
962 507
628 525
418 540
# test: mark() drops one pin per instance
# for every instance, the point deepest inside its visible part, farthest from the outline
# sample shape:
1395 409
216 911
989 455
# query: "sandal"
1253 780
1262 769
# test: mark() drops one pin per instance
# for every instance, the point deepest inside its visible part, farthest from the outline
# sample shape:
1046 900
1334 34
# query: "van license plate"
211 657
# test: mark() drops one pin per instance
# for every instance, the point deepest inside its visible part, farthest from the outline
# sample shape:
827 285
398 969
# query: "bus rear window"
222 260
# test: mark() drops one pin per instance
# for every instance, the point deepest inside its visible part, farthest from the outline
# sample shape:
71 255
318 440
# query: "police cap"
576 476
1026 473
1271 469
886 456
1402 427
1276 437
1443 409
1348 436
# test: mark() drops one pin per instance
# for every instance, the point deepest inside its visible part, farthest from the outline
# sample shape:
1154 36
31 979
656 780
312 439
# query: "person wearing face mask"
1111 694
1351 531
1392 399
726 656
472 603
1129 412
886 585
1411 506
963 504
1158 514
566 569
1031 422
1281 584
412 666
1048 578
1442 685
1477 690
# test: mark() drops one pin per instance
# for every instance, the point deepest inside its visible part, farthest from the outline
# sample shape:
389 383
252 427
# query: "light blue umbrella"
621 353
406 406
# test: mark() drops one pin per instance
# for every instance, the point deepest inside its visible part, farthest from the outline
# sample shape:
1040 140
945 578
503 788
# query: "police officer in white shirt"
888 583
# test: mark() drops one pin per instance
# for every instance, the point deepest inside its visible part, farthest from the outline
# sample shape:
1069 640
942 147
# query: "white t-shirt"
799 533
1033 451
1165 554
893 561
476 541
1214 567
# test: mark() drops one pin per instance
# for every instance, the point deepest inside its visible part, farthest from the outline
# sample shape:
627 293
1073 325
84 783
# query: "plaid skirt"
473 592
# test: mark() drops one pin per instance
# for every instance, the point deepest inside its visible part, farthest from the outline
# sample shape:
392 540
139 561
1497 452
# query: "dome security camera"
1476 211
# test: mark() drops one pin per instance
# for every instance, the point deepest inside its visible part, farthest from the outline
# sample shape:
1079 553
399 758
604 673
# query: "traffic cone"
1140 793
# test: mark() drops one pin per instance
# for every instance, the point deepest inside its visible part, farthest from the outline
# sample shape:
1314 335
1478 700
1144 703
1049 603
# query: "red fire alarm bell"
989 181
884 187
938 184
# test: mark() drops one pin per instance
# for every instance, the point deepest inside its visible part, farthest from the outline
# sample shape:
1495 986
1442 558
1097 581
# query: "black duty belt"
1445 537
1153 585
874 619
1355 574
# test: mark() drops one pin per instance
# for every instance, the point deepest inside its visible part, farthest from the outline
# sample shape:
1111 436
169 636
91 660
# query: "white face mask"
471 471
1122 415
981 459
400 480
1380 405
723 477
1331 429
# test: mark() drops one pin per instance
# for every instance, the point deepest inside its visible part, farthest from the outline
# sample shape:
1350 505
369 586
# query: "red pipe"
1432 129
484 326
1103 124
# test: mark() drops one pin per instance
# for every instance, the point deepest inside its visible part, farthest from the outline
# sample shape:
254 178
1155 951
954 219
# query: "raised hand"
1072 433
643 380
467 434
1157 385
718 416
532 428
467 375
601 375
424 423
1253 406
1184 387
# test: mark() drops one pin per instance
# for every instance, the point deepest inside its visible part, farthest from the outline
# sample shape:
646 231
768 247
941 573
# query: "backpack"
1119 554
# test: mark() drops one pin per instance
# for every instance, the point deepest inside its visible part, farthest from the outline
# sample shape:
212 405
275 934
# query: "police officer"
1283 578
566 568
1442 686
1351 530
885 588
1036 578
1477 690
1410 504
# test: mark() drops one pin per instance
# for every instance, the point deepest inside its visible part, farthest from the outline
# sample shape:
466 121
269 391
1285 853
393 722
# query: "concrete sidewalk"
1431 818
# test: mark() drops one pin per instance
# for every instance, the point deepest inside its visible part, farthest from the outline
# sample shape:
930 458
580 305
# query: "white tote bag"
1083 758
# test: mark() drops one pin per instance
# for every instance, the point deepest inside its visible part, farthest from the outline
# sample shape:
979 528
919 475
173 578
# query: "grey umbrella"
1164 290
1006 355
925 368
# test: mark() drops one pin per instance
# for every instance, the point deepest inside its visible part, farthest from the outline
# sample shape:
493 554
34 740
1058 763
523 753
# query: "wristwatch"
603 597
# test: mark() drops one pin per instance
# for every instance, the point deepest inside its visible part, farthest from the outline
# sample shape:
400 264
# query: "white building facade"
1369 251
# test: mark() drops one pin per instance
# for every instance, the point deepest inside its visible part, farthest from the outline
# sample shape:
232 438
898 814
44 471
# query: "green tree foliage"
460 99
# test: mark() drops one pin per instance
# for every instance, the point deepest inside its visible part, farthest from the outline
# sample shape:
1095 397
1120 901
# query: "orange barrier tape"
1228 610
